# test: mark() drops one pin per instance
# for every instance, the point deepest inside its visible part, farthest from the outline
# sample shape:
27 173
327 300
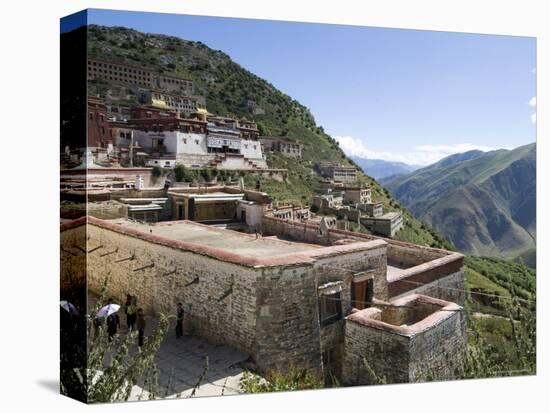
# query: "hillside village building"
165 138
289 212
300 295
99 134
137 76
355 195
169 101
387 224
335 171
285 147
373 209
355 204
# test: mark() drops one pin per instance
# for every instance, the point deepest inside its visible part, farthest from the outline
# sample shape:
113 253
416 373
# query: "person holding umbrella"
110 312
69 314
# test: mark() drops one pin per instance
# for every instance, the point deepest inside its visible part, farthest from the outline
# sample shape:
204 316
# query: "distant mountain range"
379 169
483 202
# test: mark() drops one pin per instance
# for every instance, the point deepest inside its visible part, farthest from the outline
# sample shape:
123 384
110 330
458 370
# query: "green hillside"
228 89
483 203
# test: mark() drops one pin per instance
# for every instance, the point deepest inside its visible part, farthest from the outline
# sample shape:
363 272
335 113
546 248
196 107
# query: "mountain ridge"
380 168
484 203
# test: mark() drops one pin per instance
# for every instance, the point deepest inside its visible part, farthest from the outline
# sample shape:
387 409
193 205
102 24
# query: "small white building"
197 150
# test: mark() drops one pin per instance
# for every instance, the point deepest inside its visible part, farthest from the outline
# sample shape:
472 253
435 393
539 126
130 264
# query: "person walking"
131 313
113 322
179 320
127 305
140 323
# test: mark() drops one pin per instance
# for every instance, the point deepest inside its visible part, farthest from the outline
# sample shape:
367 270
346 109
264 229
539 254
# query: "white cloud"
533 104
418 155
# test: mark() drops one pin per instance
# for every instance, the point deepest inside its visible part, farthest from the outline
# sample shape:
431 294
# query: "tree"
111 368
183 174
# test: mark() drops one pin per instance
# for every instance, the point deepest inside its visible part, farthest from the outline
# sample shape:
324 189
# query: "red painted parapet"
416 276
369 316
305 257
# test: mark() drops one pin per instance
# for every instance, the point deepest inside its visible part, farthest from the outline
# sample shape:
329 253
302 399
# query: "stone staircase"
235 161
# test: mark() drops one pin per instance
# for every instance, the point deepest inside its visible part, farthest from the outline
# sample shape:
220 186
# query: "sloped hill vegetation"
483 203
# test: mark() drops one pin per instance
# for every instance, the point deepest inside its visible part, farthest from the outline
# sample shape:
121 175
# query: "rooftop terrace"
233 241
226 245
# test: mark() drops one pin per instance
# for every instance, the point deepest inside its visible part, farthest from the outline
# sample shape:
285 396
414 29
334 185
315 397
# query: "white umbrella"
107 310
69 307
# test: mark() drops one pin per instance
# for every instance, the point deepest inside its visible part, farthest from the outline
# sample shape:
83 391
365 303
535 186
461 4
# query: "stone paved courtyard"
181 362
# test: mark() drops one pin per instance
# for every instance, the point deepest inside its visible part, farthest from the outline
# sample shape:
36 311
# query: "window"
196 141
91 116
330 308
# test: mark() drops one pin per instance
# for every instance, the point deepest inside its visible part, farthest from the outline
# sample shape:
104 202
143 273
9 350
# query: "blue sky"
404 95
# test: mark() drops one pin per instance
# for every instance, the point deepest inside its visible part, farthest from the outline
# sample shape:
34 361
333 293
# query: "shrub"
293 379
183 174
157 171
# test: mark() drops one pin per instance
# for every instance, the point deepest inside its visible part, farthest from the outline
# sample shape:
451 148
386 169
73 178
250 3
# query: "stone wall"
270 311
386 354
432 347
438 353
431 271
406 256
73 259
332 341
220 297
345 267
288 320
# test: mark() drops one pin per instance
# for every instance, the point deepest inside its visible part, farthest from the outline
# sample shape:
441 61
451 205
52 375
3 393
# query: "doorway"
362 293
181 212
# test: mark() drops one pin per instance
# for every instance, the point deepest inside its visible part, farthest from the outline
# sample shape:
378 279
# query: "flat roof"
225 245
233 241
209 196
388 216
